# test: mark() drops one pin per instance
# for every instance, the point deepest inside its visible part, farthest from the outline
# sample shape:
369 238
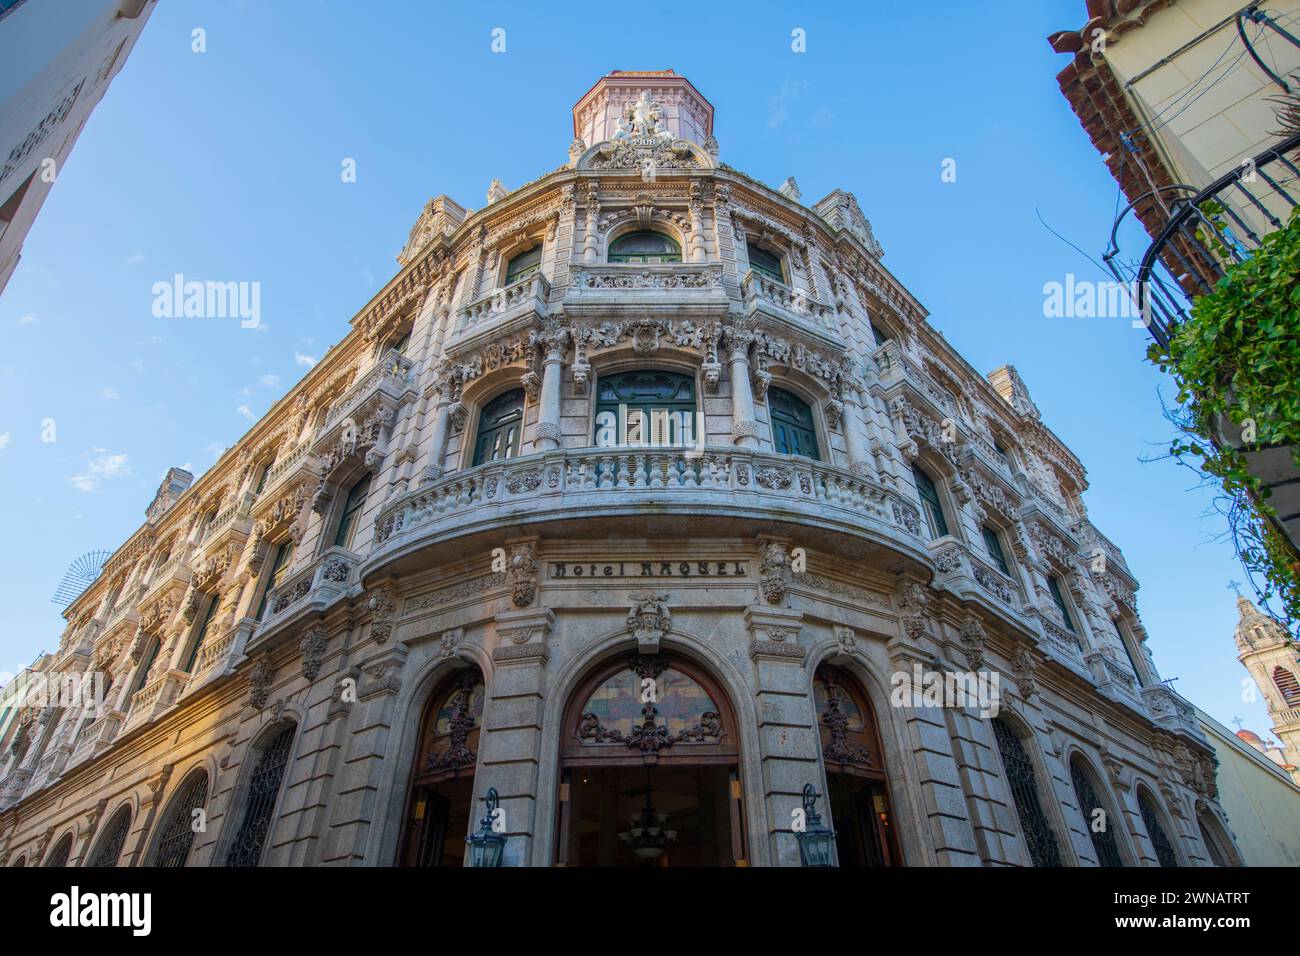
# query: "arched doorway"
650 769
441 795
856 787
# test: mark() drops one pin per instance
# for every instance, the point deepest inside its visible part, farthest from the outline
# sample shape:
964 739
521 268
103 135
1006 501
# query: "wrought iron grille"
178 830
1103 842
61 852
1159 839
1024 791
260 809
111 848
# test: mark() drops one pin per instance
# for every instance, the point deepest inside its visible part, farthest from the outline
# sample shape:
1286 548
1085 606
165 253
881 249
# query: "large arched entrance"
650 769
856 786
441 796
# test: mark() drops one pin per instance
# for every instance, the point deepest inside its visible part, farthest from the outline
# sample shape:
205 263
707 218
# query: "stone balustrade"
765 294
601 480
323 581
682 289
388 380
524 297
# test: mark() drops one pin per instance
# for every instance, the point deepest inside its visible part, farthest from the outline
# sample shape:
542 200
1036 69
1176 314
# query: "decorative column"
696 208
744 429
555 341
855 435
591 224
441 427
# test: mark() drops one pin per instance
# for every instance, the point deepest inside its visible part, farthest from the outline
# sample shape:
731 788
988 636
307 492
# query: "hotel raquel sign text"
649 569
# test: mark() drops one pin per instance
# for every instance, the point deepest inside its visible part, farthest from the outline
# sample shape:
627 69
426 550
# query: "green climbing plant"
1236 362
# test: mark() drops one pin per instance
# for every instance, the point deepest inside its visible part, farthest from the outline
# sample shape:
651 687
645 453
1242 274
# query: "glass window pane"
994 547
765 263
524 265
930 502
648 408
645 246
499 427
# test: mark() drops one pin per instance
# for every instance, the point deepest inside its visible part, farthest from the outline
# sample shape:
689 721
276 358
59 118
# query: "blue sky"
226 165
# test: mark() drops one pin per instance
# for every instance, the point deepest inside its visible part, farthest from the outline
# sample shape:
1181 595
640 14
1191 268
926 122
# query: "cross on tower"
1235 586
1238 721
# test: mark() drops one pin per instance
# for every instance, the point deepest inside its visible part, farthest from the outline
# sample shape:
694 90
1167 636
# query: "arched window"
1287 685
1128 652
793 432
62 850
645 246
113 839
930 503
993 544
1058 598
260 485
201 633
440 804
146 664
351 514
645 408
176 836
857 790
263 792
650 769
400 343
1216 842
21 861
279 568
499 427
1039 838
765 263
1100 824
524 265
1160 841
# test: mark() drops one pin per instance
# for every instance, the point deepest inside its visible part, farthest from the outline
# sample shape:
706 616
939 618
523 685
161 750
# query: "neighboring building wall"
530 568
1260 800
59 61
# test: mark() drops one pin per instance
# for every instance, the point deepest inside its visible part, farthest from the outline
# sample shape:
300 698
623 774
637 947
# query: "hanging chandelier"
648 837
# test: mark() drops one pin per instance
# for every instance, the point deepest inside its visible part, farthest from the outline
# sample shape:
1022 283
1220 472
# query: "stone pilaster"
355 805
511 740
789 749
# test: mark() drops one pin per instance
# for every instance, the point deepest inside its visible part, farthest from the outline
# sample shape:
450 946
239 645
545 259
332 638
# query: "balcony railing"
389 379
679 288
601 480
1220 225
776 298
525 297
1205 231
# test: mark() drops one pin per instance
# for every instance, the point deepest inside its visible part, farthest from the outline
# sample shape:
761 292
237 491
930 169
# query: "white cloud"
135 258
301 359
110 393
137 363
4 440
28 319
246 412
109 466
216 450
269 380
778 107
99 469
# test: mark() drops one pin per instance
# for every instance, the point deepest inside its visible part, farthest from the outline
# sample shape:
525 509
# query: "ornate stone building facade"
630 496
